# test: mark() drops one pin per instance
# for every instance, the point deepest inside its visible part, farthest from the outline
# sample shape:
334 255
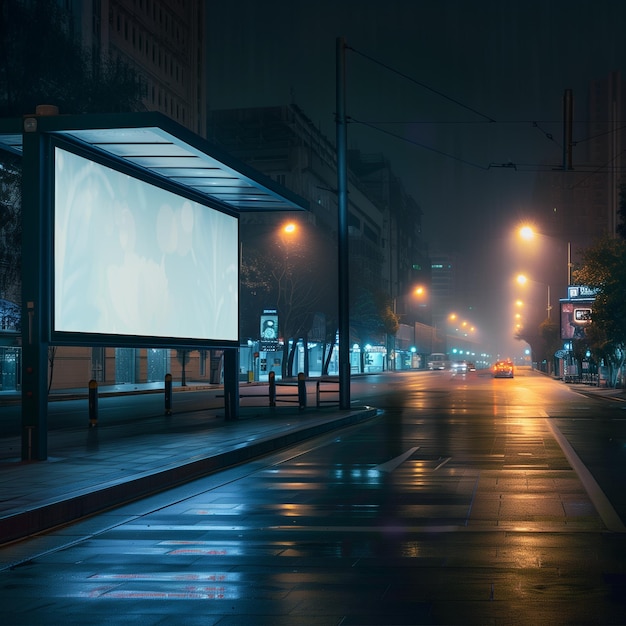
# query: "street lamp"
289 228
528 233
522 279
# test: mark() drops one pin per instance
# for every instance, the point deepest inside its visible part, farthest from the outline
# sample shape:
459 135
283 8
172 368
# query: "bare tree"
295 275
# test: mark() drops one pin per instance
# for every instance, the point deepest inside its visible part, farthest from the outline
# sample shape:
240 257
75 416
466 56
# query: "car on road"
438 361
503 369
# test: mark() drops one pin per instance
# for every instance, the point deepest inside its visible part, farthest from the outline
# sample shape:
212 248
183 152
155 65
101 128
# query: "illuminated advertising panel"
135 263
575 317
269 330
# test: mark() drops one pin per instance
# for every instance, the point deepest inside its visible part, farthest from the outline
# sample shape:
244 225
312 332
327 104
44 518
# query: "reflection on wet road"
456 505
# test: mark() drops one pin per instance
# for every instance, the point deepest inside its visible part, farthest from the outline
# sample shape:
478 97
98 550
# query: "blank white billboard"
136 261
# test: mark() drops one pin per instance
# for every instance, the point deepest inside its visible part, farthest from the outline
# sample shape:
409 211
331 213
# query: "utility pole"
342 228
568 114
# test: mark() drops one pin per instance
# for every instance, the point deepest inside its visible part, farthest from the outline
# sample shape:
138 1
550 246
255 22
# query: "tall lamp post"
528 233
522 279
342 228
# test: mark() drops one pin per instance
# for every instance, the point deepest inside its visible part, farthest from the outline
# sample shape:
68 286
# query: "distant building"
444 277
579 205
385 223
387 250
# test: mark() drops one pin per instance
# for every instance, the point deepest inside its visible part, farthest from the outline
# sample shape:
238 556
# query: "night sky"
502 66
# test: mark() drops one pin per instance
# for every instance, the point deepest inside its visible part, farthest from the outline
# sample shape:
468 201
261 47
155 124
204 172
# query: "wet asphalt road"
458 505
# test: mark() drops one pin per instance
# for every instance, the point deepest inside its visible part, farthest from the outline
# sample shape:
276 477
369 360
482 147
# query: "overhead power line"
486 119
597 170
423 85
421 145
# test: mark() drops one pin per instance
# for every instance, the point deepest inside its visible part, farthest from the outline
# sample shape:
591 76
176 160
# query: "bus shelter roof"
154 143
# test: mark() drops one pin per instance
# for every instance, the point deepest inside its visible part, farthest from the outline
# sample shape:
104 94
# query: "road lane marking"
392 464
605 509
443 462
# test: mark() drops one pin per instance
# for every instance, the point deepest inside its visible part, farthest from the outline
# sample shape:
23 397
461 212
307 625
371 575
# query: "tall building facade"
444 290
406 266
607 133
163 41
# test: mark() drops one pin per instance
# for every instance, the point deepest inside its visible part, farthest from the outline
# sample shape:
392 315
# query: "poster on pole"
269 330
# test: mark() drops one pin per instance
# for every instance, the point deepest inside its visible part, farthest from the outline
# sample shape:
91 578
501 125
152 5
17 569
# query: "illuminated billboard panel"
133 261
575 317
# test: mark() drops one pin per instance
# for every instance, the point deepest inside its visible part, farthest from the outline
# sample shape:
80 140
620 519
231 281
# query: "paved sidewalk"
92 469
608 393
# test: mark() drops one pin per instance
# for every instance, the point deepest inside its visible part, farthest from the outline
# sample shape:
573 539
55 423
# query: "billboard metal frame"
146 145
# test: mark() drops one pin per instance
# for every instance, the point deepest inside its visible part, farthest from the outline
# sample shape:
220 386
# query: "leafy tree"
549 332
390 320
604 267
580 348
602 350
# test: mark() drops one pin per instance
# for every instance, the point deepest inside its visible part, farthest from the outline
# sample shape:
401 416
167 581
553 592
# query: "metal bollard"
168 394
301 391
93 403
272 388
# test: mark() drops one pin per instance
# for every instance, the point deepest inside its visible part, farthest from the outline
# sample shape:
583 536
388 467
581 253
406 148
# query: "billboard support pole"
231 383
34 296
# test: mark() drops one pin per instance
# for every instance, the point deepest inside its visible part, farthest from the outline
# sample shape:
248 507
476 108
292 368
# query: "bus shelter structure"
145 147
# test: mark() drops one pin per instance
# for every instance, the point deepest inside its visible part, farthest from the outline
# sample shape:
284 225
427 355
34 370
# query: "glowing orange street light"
526 232
290 228
522 280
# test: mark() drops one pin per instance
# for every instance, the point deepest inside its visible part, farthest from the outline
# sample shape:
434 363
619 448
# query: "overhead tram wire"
546 134
607 132
417 143
598 170
518 167
487 118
